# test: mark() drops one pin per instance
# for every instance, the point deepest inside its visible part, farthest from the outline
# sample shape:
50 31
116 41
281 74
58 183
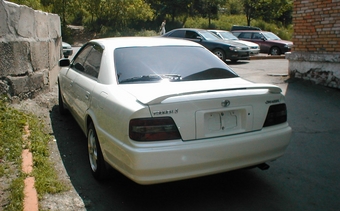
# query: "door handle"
87 95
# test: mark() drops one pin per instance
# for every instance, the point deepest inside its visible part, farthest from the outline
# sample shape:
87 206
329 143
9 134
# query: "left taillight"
153 129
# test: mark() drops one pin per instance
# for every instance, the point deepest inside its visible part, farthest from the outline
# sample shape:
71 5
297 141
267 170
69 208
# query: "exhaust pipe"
263 166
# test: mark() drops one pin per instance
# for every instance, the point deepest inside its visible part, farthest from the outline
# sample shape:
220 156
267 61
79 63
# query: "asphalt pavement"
307 177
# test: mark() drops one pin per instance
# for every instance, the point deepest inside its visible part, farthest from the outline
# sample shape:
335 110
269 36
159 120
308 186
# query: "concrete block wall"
30 48
316 52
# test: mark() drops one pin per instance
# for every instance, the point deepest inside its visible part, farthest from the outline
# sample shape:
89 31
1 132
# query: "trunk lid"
206 109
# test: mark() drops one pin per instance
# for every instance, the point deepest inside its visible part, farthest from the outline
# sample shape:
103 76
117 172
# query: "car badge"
225 103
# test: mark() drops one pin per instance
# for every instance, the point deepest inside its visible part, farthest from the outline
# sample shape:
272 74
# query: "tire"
220 54
275 51
61 107
96 159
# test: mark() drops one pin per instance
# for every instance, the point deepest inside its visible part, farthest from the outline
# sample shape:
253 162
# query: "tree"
268 10
208 8
116 14
250 9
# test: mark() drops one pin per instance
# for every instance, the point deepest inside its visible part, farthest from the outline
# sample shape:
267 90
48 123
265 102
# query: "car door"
68 85
84 84
260 39
194 36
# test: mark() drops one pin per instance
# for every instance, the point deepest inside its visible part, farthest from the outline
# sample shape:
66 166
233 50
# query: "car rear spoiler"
271 89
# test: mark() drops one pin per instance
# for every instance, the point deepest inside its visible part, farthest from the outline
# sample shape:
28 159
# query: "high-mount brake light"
277 114
153 129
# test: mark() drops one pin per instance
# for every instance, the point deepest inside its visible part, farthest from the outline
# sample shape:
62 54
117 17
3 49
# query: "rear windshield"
170 63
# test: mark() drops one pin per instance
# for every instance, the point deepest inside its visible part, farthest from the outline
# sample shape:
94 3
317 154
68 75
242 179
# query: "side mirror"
199 38
64 62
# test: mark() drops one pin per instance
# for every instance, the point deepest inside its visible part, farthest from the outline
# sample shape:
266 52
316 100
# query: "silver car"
226 35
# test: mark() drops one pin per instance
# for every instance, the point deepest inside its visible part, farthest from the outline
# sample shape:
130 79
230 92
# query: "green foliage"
16 196
35 4
115 14
225 22
232 7
11 124
128 17
268 10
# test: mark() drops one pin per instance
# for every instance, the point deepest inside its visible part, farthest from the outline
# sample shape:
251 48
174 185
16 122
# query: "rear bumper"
183 160
254 51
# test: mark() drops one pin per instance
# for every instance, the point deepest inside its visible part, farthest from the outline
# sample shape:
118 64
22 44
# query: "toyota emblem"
225 103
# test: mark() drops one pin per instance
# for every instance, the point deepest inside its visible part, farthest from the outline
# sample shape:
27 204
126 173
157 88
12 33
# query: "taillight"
277 114
153 129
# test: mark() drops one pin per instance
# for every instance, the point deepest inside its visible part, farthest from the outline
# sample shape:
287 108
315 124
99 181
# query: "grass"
12 123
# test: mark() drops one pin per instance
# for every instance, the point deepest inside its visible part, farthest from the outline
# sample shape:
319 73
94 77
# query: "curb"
30 193
258 57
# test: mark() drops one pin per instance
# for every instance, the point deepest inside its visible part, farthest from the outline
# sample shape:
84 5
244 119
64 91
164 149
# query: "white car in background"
161 109
226 35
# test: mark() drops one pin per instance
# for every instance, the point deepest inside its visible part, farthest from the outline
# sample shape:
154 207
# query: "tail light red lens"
277 114
153 129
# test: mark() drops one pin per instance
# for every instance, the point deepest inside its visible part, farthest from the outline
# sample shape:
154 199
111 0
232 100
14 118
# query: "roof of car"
117 42
218 30
193 29
249 31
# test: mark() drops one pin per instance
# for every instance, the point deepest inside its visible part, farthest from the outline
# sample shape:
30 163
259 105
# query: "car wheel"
220 54
61 107
96 158
275 51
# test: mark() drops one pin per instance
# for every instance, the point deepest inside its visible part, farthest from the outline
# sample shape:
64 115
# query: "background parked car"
269 42
224 49
237 27
67 49
226 35
159 109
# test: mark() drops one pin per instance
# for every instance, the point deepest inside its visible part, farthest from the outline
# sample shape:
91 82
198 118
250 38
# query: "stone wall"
316 52
30 47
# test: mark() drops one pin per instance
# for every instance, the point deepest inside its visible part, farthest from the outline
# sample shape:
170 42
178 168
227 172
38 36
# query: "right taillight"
277 114
153 129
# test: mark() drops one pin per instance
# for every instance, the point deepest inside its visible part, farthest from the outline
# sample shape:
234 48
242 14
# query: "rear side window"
168 63
245 35
178 33
88 60
92 63
257 36
191 35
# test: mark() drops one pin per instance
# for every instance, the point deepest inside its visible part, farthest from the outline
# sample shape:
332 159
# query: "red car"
269 42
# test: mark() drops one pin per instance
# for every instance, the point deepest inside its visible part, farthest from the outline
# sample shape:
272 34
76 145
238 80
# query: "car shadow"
237 63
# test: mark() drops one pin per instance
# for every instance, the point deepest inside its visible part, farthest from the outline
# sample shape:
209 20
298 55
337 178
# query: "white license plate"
223 122
220 121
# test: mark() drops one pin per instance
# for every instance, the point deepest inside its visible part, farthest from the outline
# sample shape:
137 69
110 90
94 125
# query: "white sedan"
161 109
226 35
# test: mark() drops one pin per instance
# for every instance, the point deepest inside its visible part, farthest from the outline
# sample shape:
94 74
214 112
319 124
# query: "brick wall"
316 38
317 26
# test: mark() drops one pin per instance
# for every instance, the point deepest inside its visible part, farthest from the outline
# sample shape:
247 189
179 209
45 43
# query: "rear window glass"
171 63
